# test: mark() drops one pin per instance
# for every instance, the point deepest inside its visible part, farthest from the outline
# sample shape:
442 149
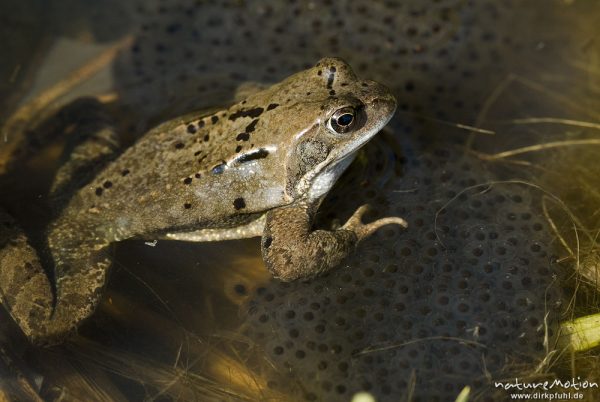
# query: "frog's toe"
370 228
364 230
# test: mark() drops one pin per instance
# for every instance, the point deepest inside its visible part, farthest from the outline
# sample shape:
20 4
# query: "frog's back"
205 171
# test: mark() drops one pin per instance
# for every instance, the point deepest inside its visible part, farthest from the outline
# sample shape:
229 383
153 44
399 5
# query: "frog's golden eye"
342 120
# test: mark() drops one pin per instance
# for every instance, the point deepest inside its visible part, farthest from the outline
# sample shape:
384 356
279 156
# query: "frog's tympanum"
258 168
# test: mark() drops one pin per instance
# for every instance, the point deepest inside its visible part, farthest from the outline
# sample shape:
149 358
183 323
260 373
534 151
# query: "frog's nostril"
387 103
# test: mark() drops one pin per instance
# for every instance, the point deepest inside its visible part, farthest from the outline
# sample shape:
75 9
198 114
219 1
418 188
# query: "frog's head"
340 113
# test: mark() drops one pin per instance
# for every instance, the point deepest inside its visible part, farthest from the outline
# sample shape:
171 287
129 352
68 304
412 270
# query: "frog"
258 168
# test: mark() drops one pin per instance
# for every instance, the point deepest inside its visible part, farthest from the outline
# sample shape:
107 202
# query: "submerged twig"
512 78
487 105
65 85
40 106
553 226
554 120
375 349
537 147
461 126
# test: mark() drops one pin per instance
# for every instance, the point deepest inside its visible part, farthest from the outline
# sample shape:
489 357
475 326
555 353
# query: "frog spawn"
426 51
484 264
453 299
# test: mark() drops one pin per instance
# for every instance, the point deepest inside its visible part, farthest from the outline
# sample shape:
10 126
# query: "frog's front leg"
292 251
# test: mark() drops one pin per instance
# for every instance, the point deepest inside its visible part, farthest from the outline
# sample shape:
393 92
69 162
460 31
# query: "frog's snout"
385 104
380 98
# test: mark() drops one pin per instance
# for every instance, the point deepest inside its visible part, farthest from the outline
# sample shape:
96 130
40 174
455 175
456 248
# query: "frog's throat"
326 178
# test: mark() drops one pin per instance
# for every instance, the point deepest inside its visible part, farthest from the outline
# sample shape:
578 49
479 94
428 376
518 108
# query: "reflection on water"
490 158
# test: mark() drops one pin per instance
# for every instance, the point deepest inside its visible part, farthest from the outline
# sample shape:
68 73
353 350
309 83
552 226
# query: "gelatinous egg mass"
467 292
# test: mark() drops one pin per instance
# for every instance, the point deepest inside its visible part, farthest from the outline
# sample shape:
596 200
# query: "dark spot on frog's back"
250 127
330 77
214 119
243 137
239 203
272 106
191 129
254 113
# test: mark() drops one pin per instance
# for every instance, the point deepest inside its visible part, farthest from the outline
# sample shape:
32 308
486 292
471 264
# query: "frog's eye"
342 120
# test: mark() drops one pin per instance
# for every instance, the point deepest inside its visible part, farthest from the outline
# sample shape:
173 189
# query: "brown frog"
258 168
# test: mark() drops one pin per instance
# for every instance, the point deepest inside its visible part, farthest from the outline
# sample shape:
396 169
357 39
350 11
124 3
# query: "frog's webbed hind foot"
28 294
46 310
25 290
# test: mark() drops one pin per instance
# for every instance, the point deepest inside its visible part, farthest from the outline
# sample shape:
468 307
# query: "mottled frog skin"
258 168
